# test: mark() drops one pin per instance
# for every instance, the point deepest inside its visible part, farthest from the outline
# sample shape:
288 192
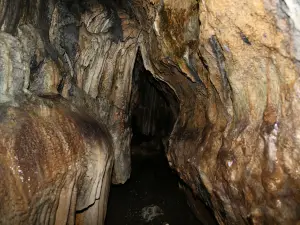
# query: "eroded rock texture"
54 161
232 65
235 140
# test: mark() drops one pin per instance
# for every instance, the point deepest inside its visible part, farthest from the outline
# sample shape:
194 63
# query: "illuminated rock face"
54 161
232 66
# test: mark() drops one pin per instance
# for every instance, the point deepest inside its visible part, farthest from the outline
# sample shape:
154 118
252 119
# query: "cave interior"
149 112
152 195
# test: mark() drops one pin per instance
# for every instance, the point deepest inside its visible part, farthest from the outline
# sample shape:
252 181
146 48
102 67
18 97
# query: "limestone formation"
55 161
230 68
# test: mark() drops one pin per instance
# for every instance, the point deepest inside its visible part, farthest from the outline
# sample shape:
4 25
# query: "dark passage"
152 194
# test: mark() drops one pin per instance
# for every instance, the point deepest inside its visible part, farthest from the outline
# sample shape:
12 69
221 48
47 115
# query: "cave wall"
232 65
236 78
103 73
74 49
54 160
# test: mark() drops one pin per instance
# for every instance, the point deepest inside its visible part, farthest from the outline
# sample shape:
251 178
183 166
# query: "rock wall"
235 140
55 161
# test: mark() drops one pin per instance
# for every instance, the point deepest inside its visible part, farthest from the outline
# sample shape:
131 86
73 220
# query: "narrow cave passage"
152 194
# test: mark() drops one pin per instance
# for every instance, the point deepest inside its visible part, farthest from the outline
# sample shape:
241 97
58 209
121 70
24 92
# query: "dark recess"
154 109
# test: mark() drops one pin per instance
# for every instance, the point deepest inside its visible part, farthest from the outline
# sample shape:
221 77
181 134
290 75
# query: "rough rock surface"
54 161
236 77
232 65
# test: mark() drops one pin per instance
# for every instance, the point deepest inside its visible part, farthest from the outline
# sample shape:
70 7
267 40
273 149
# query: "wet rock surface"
151 195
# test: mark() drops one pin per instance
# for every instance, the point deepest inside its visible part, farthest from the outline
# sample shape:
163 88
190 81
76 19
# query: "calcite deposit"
55 161
229 70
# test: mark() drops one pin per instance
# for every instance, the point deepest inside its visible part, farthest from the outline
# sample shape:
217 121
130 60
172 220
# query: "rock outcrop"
233 67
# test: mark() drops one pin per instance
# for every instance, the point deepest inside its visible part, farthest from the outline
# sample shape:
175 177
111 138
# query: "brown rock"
54 161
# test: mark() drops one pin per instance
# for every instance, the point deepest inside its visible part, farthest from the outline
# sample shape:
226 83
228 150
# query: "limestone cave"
135 112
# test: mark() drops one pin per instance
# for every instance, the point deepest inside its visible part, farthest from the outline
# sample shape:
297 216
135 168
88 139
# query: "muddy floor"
151 196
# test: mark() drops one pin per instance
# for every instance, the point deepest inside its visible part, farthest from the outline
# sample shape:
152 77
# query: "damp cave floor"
152 189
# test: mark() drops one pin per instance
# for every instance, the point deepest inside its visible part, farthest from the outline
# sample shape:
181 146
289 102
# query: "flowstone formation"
231 68
55 161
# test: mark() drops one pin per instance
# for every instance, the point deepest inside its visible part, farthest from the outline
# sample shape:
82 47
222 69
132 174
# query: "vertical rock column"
104 65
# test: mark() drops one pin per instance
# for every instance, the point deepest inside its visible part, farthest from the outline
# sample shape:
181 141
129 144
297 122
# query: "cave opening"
152 194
